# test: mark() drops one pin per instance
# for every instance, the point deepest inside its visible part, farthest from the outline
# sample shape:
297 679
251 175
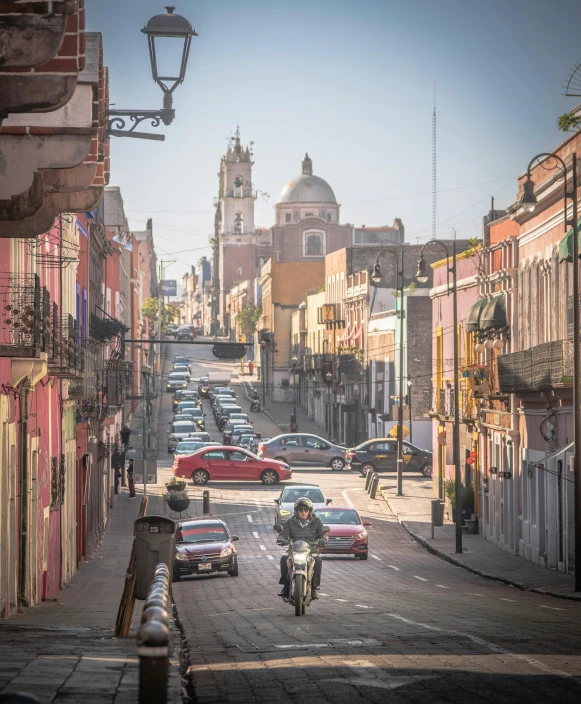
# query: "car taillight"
262 448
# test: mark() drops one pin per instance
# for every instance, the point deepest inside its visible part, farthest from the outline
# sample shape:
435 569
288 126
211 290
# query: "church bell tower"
236 195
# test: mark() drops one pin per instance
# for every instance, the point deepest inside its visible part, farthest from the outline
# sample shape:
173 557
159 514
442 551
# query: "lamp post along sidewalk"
528 202
376 278
423 276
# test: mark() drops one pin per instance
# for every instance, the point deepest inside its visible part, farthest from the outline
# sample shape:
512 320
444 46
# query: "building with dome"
307 225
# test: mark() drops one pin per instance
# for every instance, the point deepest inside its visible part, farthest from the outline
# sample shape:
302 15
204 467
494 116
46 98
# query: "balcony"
540 368
439 403
67 355
21 323
105 329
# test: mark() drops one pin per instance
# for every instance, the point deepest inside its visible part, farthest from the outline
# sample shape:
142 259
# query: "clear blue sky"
352 82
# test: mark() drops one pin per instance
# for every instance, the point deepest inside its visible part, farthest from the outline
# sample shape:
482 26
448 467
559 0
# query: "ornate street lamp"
329 381
376 278
422 276
178 29
294 361
528 202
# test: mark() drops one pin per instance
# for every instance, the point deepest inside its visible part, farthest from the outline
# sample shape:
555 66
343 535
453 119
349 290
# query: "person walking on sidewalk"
130 480
250 368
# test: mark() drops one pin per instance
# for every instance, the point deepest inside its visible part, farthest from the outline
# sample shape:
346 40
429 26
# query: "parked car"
228 464
224 415
241 430
175 381
186 332
179 431
222 391
204 546
240 416
285 504
183 369
221 399
300 448
348 534
186 395
380 455
203 386
187 447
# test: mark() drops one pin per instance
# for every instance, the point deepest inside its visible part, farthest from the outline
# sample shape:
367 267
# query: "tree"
569 122
150 307
248 318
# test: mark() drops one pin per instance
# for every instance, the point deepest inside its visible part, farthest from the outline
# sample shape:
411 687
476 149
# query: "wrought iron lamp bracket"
122 123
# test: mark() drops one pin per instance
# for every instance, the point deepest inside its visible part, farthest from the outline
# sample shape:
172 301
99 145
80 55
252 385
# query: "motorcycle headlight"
226 552
182 557
300 558
358 536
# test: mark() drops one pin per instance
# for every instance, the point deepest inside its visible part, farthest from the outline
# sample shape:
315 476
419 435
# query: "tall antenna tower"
434 168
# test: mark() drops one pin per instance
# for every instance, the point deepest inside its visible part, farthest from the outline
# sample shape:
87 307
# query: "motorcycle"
301 568
255 405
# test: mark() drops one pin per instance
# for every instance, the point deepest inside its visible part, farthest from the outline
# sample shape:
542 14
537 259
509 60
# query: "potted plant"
175 484
467 496
178 501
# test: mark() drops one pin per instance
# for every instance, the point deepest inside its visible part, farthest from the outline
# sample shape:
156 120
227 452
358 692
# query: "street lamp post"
294 362
162 26
329 381
263 370
528 202
376 278
422 276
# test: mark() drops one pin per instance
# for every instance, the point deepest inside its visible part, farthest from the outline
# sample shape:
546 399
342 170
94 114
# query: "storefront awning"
494 314
566 244
473 317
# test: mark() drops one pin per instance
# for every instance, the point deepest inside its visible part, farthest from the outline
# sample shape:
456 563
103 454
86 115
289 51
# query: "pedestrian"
130 480
294 427
125 433
250 368
117 480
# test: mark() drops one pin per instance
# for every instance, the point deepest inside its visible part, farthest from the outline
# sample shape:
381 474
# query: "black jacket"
292 530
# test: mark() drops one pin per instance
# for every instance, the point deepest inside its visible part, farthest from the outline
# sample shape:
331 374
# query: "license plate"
204 568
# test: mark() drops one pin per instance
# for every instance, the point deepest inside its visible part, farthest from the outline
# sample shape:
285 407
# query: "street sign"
168 287
229 351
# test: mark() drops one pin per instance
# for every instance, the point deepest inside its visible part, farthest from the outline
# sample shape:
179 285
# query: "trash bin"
154 543
437 512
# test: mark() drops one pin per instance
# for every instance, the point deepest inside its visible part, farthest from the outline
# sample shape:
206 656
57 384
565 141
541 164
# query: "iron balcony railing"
67 361
21 326
440 403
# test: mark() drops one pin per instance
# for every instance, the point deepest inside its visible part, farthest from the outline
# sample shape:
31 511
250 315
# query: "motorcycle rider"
303 525
254 401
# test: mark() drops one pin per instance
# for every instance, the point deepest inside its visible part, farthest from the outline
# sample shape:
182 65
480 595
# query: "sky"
353 82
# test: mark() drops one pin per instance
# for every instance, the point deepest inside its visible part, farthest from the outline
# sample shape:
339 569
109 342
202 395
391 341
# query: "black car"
204 546
380 455
186 332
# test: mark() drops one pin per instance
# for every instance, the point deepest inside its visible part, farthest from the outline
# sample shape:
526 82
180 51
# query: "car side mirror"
277 527
329 501
276 501
366 523
233 538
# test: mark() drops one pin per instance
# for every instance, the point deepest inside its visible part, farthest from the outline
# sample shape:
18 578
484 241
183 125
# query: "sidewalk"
480 556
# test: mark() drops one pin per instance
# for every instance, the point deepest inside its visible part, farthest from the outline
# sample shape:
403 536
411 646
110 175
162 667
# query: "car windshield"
189 446
205 437
291 495
193 411
189 405
412 448
177 375
183 427
347 517
201 534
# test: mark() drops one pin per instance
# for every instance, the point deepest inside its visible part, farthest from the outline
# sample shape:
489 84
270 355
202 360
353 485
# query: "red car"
227 463
347 535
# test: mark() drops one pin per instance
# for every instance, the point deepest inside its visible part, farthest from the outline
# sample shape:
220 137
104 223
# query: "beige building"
285 285
189 291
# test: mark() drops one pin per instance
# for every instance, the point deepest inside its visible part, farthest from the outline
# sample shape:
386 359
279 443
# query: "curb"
244 384
486 575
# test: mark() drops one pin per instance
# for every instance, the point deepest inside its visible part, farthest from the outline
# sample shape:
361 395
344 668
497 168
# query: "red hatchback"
226 463
347 535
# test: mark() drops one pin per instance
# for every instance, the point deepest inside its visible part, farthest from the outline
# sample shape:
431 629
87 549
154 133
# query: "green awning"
566 244
494 315
473 317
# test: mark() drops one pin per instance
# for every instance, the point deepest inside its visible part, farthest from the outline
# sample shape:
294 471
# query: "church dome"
307 188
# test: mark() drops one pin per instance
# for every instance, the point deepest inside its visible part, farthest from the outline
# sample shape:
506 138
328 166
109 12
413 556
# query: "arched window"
238 186
313 244
238 223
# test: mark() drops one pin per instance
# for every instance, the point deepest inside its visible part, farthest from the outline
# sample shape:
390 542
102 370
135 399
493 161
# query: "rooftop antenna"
434 167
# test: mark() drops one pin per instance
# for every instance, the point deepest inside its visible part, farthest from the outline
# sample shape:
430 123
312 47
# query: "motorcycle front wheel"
299 580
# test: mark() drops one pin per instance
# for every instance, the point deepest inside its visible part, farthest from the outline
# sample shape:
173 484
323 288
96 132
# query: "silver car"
178 432
285 504
300 448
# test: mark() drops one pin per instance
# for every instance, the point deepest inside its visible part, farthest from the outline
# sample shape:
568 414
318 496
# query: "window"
313 244
238 223
288 217
329 217
239 457
239 271
382 447
315 444
309 215
294 442
214 455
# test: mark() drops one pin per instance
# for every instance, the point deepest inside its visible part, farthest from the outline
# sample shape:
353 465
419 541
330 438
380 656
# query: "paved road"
403 626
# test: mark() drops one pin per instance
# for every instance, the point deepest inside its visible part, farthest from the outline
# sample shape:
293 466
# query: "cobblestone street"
402 626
